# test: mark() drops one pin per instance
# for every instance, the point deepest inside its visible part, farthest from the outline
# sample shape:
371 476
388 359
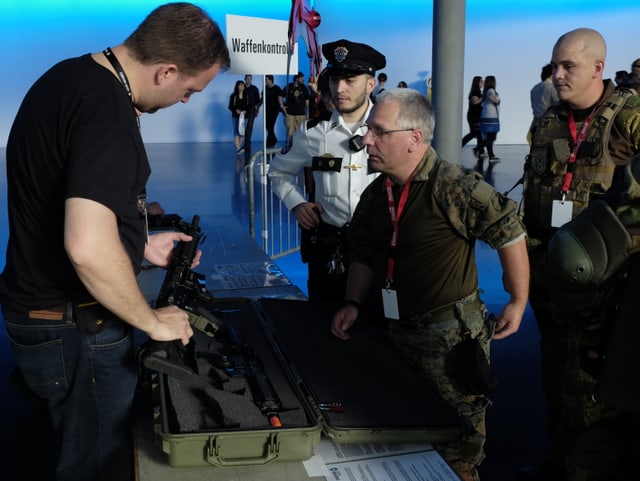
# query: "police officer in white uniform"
329 146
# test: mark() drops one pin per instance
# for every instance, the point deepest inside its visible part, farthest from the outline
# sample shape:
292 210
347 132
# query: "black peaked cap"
348 57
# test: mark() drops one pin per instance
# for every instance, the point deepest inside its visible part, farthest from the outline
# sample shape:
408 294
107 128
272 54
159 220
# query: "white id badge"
561 212
390 303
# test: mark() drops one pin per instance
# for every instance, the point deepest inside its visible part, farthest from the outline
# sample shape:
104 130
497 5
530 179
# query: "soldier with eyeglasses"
412 243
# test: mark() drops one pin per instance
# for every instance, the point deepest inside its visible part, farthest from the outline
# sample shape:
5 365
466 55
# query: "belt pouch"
469 366
89 314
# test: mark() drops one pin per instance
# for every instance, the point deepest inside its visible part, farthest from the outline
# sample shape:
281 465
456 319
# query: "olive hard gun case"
273 380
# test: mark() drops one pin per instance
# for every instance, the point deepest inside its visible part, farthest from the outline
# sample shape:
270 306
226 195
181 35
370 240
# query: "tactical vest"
546 164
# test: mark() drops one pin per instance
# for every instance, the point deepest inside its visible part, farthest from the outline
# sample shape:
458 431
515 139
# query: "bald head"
578 66
585 41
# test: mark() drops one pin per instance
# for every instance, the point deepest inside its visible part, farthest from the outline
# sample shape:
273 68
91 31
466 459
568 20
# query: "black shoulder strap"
324 116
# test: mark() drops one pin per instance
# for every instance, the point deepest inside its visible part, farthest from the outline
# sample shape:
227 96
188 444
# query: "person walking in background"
635 70
625 80
319 88
474 110
630 82
69 294
329 147
427 214
294 102
489 117
253 108
238 105
315 97
620 77
271 97
542 96
320 96
380 86
402 84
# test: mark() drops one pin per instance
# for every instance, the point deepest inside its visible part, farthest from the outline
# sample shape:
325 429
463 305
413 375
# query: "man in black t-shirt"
296 104
76 176
253 107
272 109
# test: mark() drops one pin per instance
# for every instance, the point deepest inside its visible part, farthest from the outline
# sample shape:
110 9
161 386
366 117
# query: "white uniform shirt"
337 192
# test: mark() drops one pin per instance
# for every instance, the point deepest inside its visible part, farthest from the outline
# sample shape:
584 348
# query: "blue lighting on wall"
35 34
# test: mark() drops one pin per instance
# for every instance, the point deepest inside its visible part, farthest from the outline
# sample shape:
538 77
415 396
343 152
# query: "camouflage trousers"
607 450
600 442
426 347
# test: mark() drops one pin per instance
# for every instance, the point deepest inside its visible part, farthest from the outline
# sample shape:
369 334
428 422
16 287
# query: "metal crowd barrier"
279 230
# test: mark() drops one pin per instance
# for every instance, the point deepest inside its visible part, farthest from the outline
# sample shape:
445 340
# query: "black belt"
330 234
446 313
324 228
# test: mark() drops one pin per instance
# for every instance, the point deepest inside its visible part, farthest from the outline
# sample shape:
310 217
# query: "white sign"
259 46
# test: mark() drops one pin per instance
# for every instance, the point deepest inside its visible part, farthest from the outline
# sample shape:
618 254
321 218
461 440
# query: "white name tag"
561 212
390 303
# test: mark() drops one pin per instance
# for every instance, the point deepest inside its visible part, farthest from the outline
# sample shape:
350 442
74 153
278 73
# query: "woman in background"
490 116
473 116
238 104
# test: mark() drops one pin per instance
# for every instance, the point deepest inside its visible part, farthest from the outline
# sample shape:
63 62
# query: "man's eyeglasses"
378 133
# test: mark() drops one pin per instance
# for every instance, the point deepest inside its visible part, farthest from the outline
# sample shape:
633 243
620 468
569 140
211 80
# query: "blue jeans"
89 383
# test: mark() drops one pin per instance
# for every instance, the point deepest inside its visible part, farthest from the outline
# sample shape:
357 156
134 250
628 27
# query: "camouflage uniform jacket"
447 209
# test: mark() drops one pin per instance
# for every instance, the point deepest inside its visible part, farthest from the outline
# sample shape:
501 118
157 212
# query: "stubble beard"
345 109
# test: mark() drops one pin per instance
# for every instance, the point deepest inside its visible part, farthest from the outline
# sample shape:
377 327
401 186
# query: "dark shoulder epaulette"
324 116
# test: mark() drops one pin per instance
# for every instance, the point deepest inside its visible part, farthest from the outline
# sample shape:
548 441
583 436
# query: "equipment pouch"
469 367
561 151
90 315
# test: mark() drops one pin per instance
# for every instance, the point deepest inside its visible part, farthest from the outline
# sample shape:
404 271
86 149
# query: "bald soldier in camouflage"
578 154
424 272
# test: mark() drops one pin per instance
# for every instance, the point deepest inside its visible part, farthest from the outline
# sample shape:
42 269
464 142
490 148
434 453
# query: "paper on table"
383 462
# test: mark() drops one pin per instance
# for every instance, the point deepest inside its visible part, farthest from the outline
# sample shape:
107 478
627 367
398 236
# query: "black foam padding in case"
215 400
197 407
376 387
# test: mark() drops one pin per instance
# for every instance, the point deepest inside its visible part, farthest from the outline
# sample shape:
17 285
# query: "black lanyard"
113 60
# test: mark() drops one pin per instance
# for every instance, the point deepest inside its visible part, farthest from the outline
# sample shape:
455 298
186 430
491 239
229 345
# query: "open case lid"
379 391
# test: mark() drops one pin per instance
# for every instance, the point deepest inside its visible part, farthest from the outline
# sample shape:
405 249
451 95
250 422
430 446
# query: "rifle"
244 361
184 288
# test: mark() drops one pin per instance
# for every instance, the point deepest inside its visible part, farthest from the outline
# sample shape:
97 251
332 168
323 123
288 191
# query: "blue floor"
208 179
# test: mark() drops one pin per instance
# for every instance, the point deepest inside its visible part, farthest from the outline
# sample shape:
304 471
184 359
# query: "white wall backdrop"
511 40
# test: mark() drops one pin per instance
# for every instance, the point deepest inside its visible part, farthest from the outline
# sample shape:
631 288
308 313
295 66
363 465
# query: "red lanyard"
577 140
395 219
